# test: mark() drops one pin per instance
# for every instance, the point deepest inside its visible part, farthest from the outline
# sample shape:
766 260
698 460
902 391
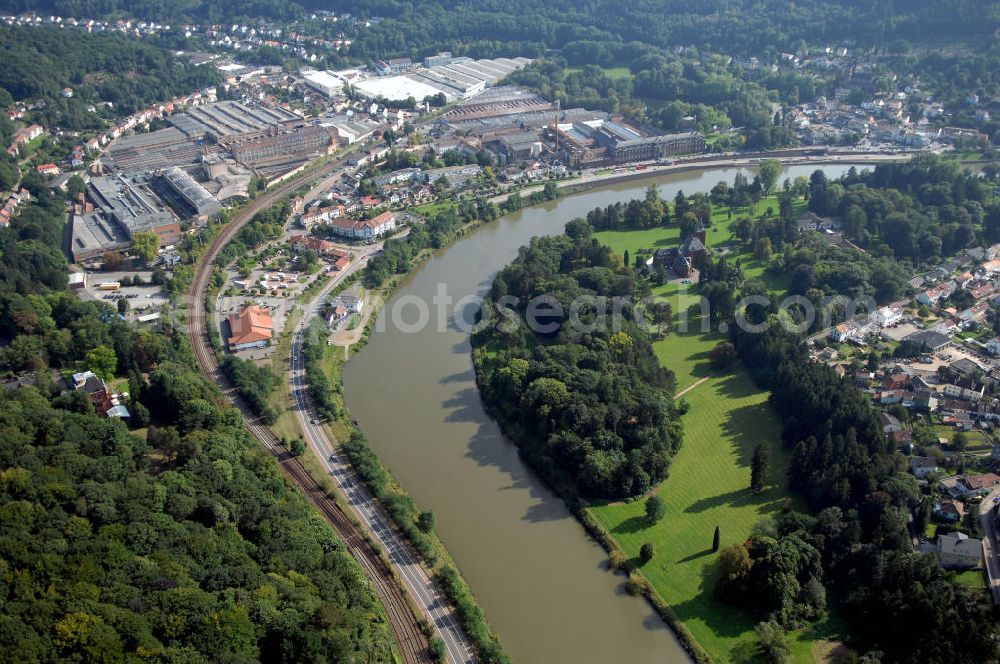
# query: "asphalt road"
365 507
404 623
991 549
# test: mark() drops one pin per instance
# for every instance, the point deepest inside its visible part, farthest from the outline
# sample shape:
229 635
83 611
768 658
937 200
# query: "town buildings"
366 229
250 328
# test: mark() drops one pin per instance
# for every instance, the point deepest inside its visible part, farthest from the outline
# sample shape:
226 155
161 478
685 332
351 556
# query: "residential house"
104 402
901 439
925 400
959 550
923 466
976 312
888 316
250 328
989 268
324 248
364 230
966 486
889 423
48 169
939 292
895 381
853 330
965 388
981 292
95 388
949 510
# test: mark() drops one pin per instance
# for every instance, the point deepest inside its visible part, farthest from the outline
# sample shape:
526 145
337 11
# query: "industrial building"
324 82
280 145
606 142
230 118
122 206
202 203
157 149
349 130
455 78
497 102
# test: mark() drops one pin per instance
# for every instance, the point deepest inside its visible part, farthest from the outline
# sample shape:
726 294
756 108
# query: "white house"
923 466
959 550
887 316
965 389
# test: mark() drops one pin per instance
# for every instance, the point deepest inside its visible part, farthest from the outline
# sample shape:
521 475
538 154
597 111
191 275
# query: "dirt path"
694 385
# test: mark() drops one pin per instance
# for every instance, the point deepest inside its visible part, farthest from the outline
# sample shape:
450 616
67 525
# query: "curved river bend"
535 572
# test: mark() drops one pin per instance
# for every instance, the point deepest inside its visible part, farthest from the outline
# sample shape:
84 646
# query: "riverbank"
405 512
499 523
708 483
401 508
708 487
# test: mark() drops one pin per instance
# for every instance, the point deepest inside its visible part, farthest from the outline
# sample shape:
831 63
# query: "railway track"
405 626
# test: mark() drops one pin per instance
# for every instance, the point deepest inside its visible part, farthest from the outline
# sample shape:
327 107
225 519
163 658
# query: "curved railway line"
405 626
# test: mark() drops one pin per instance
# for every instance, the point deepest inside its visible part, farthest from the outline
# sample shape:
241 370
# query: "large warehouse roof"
395 88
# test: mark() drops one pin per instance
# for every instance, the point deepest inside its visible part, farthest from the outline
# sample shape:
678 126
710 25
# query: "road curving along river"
539 578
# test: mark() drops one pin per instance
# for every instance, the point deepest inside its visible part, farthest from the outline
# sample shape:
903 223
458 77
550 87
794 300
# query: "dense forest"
40 62
176 541
915 211
588 405
481 28
855 545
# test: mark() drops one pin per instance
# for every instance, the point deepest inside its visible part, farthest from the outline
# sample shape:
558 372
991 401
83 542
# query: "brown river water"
537 575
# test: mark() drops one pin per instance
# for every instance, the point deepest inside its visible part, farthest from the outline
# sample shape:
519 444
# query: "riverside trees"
591 411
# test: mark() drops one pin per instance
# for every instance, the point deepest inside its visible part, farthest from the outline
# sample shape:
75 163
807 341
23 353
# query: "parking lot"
139 298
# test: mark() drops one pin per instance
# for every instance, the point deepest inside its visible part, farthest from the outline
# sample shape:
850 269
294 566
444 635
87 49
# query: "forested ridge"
110 67
591 409
724 25
176 541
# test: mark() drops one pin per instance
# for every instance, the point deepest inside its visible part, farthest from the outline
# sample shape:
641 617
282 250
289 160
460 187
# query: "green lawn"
431 209
973 578
610 72
709 480
708 487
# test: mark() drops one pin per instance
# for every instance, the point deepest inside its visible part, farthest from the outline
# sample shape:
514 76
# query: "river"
535 572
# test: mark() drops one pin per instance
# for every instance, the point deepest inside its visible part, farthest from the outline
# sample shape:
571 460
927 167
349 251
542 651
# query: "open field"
709 480
708 487
610 72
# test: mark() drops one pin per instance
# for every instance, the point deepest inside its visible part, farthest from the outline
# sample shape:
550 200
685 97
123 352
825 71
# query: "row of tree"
857 542
589 405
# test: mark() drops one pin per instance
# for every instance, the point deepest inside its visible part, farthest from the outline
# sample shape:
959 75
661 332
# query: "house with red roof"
252 327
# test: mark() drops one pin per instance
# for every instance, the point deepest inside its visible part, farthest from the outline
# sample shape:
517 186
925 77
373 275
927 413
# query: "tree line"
591 411
854 547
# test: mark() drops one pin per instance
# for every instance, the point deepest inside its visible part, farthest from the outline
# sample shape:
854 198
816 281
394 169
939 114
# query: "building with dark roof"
687 257
193 194
930 340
